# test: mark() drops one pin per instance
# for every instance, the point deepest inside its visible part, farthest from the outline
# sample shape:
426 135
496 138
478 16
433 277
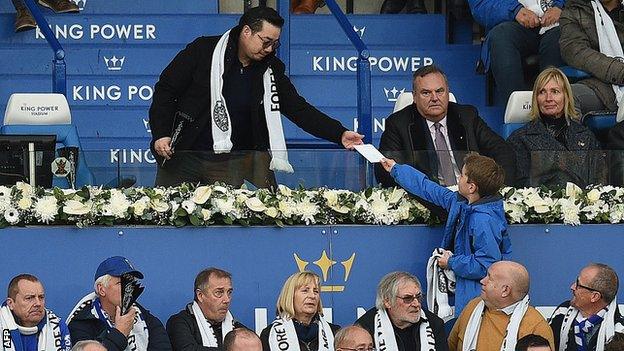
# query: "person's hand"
163 147
124 323
443 261
387 164
527 18
350 138
551 16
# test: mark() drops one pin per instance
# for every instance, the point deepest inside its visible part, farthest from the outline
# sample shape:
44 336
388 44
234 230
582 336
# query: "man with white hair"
98 316
88 345
591 318
501 315
398 321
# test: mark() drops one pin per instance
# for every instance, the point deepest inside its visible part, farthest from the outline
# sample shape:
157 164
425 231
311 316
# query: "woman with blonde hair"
299 324
553 148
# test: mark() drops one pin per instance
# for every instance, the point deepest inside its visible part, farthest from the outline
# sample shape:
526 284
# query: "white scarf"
440 282
386 340
608 328
139 335
220 117
537 7
48 338
471 335
205 328
283 336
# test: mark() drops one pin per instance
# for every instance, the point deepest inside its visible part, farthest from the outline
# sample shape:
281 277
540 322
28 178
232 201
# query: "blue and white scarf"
49 332
584 326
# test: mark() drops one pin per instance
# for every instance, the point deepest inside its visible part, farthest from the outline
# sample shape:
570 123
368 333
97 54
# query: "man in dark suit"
230 91
433 134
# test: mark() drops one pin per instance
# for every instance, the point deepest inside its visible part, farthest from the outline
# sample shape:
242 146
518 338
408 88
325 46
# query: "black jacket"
367 321
184 332
85 326
407 140
184 86
556 322
310 346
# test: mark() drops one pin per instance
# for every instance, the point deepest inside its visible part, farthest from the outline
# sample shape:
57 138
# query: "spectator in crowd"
409 6
25 322
615 145
501 315
352 338
533 342
433 134
399 320
475 235
305 6
616 344
581 48
299 318
517 29
98 316
24 19
563 150
227 108
591 318
241 339
88 345
206 320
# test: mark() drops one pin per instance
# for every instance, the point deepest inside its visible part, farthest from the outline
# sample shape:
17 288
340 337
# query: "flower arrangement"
217 204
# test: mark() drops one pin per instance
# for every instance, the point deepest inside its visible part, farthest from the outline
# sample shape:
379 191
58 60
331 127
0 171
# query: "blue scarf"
582 328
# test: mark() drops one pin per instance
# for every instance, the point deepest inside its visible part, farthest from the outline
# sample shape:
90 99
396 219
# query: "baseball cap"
117 266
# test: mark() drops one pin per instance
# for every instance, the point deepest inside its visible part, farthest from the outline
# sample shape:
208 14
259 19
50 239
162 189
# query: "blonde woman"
553 148
299 324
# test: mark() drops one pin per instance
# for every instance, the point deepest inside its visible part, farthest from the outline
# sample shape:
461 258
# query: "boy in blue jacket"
475 235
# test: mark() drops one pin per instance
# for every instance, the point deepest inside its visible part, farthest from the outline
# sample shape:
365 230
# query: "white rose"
593 196
159 205
271 212
331 196
241 198
140 206
74 207
25 188
201 195
255 204
24 203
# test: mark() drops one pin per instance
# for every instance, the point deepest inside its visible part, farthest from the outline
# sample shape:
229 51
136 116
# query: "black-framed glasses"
579 285
407 299
372 348
268 43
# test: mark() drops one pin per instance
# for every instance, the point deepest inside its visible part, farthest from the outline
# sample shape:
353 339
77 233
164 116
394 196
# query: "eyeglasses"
579 285
408 299
372 348
268 43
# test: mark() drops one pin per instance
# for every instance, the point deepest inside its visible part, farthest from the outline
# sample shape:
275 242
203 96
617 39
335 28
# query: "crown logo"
359 31
147 125
114 63
81 4
393 94
325 264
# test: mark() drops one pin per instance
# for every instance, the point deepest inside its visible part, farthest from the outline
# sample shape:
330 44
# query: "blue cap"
117 266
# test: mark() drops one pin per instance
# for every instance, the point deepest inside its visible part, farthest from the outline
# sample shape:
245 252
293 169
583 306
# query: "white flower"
241 198
11 215
159 205
46 208
515 211
271 212
224 206
572 190
201 195
616 214
189 206
5 191
24 203
539 205
206 214
25 188
378 207
117 204
141 205
331 196
307 210
404 210
570 211
593 195
255 204
74 207
220 189
287 207
284 190
396 196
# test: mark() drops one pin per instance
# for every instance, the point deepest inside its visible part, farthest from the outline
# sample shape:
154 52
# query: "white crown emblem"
81 4
359 31
114 63
393 94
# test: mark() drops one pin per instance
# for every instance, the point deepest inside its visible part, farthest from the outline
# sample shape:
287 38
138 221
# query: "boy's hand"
443 261
387 164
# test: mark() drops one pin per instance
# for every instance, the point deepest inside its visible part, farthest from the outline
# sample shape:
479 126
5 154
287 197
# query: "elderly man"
204 322
242 339
352 338
591 318
398 321
501 315
25 322
88 345
433 135
98 316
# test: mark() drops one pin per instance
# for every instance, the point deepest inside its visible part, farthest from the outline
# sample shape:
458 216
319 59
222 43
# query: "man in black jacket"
99 315
220 101
398 320
205 322
411 134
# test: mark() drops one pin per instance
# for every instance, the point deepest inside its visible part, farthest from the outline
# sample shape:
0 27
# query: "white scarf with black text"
205 328
440 283
283 335
386 340
48 338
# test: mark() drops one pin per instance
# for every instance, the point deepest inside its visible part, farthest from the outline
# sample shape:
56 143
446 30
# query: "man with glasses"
353 338
205 322
218 105
501 315
591 318
398 321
